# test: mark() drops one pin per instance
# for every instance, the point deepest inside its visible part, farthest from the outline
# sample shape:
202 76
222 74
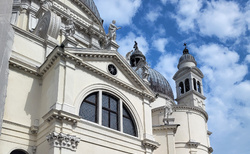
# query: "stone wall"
6 41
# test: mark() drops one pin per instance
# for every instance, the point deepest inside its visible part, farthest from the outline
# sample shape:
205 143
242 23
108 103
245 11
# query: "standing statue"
167 112
70 27
112 31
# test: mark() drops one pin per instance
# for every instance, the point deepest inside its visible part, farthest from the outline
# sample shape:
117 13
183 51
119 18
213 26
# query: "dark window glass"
181 87
199 86
88 109
187 87
18 152
128 123
194 81
110 111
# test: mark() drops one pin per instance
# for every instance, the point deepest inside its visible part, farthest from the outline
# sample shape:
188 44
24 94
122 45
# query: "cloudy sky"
218 36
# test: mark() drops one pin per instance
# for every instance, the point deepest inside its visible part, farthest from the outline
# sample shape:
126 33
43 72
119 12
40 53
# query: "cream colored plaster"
103 65
23 98
30 49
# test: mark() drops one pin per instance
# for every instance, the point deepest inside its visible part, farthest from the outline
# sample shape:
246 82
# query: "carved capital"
62 140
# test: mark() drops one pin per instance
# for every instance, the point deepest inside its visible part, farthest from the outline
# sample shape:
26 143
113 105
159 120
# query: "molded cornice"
188 108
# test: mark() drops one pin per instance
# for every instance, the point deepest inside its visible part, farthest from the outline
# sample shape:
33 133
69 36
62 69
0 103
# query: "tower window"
187 86
199 86
194 82
112 115
181 87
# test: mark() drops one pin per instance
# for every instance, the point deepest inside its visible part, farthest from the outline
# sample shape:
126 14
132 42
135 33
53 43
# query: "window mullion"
100 108
120 115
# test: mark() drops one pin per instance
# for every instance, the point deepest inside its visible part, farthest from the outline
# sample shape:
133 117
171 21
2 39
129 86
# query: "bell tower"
188 81
192 136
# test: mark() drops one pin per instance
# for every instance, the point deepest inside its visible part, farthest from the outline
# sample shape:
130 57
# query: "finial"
185 51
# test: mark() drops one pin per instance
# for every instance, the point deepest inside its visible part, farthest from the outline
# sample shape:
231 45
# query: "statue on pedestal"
167 112
112 31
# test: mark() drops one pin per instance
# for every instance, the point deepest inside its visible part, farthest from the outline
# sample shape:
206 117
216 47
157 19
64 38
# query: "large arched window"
187 86
181 87
18 151
110 112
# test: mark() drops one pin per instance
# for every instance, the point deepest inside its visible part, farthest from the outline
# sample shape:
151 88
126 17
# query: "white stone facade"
60 58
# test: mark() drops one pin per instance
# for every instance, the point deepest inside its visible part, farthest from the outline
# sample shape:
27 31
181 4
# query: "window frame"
120 104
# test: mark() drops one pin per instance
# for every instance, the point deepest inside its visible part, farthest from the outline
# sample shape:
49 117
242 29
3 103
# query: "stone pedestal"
112 45
70 42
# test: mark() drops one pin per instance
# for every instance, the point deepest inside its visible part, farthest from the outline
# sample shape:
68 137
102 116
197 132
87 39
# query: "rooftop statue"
112 31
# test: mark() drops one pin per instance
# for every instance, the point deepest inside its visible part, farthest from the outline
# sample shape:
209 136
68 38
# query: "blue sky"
218 36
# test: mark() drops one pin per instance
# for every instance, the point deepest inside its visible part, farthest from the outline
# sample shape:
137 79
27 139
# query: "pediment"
90 59
101 59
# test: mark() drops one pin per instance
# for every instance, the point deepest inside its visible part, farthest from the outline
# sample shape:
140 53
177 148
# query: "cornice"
188 93
16 124
172 127
24 67
83 23
28 35
61 116
150 144
186 70
87 10
194 108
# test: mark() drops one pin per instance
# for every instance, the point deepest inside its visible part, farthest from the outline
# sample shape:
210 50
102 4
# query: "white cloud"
247 59
247 14
127 43
154 14
120 10
187 13
227 95
160 44
167 65
222 19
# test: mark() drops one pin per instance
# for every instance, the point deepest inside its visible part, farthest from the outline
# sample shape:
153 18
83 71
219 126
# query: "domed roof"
186 57
91 5
158 83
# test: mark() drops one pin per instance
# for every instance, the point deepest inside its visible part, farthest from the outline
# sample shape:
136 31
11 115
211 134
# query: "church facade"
67 90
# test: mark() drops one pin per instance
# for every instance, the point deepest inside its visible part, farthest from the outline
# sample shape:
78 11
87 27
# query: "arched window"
110 111
89 107
18 151
199 86
181 87
128 122
194 82
114 114
187 87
